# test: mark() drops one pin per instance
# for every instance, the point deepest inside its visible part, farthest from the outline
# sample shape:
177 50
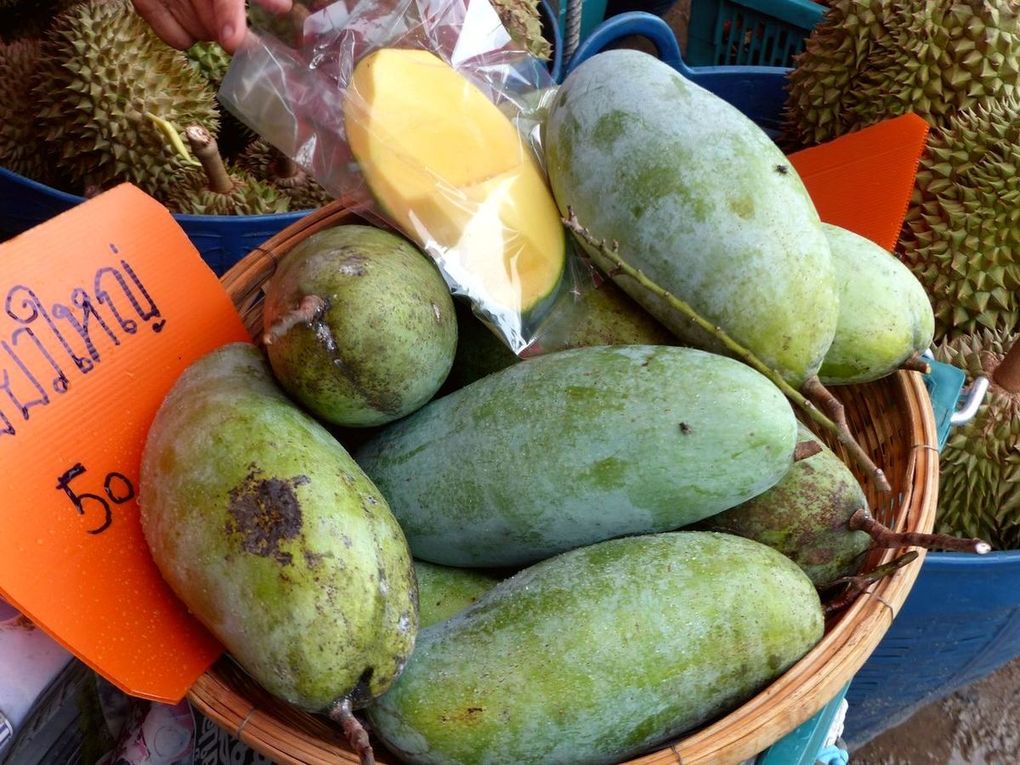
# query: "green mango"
885 316
444 591
578 446
701 200
602 315
380 339
600 653
806 516
274 538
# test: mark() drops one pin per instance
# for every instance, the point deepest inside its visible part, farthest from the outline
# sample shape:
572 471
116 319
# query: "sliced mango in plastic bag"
448 167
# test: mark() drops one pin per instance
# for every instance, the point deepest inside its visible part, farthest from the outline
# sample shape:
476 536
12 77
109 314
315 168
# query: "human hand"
182 23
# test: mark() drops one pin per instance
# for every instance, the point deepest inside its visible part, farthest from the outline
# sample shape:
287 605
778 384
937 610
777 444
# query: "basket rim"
786 703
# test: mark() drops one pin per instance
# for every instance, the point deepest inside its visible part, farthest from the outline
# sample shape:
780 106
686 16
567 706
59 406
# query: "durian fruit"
21 147
213 190
103 74
869 60
979 483
265 162
524 24
961 236
211 60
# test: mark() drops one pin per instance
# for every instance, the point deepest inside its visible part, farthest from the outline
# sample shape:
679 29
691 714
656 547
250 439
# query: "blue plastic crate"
759 91
222 240
749 32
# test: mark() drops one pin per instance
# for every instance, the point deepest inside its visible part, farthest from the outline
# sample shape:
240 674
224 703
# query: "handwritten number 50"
117 488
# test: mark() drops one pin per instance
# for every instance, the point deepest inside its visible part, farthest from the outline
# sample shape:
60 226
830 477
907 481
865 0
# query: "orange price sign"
862 181
102 308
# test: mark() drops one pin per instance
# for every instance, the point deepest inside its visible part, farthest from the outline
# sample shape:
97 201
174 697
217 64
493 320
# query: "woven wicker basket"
891 418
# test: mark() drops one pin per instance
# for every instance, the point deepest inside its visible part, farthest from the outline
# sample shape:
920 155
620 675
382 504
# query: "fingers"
164 24
276 6
182 23
231 24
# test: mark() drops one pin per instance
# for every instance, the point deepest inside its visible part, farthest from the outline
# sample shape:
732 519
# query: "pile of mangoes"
571 558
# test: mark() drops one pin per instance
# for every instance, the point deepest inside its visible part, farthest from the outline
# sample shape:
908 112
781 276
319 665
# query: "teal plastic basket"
749 32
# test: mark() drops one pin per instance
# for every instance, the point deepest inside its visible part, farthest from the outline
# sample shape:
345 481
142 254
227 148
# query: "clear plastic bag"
426 115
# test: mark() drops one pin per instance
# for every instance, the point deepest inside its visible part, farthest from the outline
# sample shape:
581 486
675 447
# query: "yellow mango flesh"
452 171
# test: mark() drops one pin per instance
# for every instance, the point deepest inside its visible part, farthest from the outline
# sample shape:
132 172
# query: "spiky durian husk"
21 148
979 483
304 193
961 236
190 194
524 24
103 70
869 60
211 60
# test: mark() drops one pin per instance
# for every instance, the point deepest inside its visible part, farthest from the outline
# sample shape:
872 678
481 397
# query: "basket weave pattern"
892 420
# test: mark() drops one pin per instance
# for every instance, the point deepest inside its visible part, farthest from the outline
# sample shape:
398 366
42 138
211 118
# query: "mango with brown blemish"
274 538
806 516
360 326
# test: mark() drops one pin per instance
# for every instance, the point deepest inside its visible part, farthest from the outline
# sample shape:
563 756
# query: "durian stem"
863 520
342 714
204 147
283 167
612 254
1007 374
805 449
856 585
310 309
916 363
827 404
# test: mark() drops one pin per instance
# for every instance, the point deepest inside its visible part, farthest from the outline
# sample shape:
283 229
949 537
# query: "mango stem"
916 363
342 714
842 433
310 309
822 398
863 520
856 585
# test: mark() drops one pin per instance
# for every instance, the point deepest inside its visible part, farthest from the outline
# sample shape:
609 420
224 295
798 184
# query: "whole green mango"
577 446
701 200
274 538
806 516
600 653
885 316
361 326
444 590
